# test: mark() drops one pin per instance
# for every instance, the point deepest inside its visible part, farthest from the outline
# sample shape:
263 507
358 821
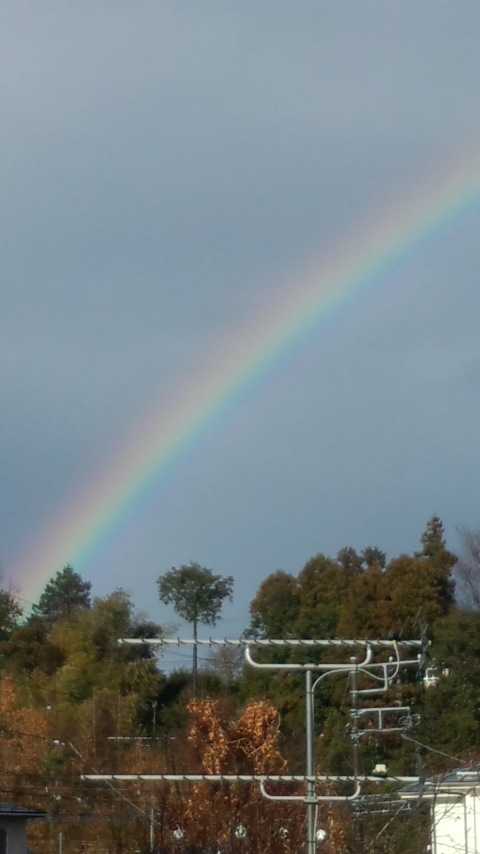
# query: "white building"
454 810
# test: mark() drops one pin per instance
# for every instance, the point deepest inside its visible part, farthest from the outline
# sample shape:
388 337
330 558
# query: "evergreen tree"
441 560
434 546
65 593
10 613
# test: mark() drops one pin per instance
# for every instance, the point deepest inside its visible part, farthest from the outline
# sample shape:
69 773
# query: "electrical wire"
455 759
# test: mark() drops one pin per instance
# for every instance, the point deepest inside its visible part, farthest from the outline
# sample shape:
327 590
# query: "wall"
456 823
17 843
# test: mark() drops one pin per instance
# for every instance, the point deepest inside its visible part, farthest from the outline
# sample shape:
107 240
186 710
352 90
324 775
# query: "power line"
388 672
432 749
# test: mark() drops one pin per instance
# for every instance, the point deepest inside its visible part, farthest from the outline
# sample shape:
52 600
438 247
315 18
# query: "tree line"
72 700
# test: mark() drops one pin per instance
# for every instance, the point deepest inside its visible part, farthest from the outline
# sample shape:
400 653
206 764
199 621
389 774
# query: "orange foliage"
251 741
249 744
24 744
209 735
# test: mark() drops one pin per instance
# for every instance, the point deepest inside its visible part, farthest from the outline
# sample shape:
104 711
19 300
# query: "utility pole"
368 667
154 722
354 733
310 764
195 657
152 829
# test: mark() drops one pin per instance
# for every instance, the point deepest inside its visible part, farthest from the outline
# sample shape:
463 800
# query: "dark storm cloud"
163 167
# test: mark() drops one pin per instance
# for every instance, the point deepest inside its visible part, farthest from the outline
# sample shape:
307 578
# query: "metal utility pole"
154 715
152 829
368 667
310 764
353 678
354 733
195 659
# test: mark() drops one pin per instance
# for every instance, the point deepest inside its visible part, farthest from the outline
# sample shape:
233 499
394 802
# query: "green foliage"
66 664
334 748
372 556
434 543
417 594
275 607
196 593
364 611
10 613
65 593
88 642
323 583
326 599
456 643
349 560
29 648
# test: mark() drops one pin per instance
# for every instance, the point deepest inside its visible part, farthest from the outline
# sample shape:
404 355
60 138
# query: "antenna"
381 673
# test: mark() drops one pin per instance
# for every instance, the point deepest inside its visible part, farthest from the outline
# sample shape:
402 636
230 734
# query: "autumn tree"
349 560
373 556
405 596
365 611
197 595
274 610
323 583
247 743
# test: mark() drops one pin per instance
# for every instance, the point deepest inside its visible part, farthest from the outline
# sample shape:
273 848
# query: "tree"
349 560
274 609
64 594
362 613
10 613
440 559
467 569
417 593
433 538
373 556
434 546
323 584
197 595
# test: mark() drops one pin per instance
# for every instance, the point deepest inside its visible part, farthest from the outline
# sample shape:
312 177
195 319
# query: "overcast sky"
164 165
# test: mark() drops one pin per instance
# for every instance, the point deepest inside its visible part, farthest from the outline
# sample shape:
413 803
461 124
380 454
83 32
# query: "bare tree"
467 569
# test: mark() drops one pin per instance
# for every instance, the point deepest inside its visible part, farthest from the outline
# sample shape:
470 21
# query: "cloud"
165 167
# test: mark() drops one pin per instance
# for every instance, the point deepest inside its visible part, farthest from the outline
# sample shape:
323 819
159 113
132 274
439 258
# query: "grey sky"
163 165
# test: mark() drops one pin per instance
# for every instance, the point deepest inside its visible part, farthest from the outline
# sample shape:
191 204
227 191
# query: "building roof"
460 780
14 811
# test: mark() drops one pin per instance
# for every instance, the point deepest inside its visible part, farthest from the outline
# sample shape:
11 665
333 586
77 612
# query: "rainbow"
324 283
